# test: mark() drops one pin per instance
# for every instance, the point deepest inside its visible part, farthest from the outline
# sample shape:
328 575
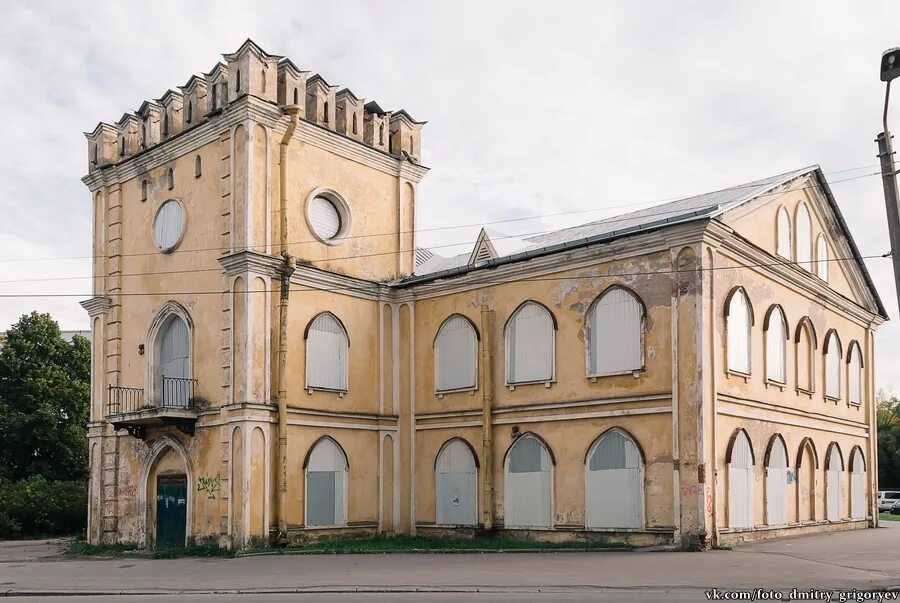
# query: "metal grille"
125 399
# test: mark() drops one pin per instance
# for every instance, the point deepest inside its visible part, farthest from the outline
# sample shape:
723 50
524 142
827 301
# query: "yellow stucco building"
275 360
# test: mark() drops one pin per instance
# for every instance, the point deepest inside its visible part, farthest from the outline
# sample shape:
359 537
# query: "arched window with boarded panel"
614 481
805 345
615 332
803 230
833 355
738 323
776 463
783 226
834 467
855 367
456 355
530 344
327 349
528 484
775 328
740 460
857 484
325 469
456 484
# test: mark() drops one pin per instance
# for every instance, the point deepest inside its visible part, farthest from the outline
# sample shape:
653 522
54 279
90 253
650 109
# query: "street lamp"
890 69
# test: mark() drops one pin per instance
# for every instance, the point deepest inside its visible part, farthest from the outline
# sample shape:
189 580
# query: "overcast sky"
532 108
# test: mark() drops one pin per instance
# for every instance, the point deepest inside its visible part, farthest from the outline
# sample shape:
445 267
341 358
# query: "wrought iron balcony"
175 404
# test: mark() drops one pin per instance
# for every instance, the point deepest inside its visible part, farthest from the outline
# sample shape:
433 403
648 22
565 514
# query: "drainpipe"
287 269
487 399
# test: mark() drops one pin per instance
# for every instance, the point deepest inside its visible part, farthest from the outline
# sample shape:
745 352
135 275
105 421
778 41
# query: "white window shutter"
169 225
775 347
326 354
833 368
740 484
455 355
854 378
616 342
738 328
530 345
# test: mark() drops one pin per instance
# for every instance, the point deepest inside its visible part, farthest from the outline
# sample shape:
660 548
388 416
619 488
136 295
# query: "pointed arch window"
776 333
170 178
456 484
528 484
353 129
190 111
857 484
805 346
822 258
326 484
834 467
776 482
237 82
325 112
171 383
455 355
803 230
854 374
614 482
296 97
198 167
143 190
740 481
784 234
739 319
832 365
327 348
615 333
530 345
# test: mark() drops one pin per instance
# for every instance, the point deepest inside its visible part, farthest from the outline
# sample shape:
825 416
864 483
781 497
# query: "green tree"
888 421
44 402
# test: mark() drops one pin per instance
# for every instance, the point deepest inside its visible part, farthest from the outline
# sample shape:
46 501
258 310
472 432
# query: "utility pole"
890 69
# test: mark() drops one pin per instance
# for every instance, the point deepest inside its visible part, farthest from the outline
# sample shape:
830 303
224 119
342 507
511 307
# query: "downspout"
287 269
487 400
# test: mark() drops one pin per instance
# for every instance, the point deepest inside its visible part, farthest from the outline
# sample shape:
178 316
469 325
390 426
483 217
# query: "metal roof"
699 207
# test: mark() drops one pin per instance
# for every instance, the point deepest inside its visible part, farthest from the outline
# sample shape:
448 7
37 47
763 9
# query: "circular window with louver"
168 226
325 218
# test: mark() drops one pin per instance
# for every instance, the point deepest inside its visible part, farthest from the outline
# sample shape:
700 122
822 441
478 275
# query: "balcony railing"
178 392
175 392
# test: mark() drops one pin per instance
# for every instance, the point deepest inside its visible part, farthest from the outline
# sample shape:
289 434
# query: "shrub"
40 507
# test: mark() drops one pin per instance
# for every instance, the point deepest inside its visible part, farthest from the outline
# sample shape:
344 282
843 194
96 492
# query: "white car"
886 500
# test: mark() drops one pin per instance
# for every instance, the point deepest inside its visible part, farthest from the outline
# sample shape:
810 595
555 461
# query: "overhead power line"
454 226
486 280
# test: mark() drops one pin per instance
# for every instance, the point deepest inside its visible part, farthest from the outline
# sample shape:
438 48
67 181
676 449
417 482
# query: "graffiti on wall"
209 484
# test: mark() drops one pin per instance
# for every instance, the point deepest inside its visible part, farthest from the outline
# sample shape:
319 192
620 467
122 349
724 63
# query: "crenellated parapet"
250 71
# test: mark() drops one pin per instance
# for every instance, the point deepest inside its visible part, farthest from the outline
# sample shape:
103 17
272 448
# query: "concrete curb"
276 552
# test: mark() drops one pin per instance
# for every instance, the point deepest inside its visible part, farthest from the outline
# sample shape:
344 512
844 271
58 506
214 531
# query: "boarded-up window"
776 346
805 358
615 333
833 484
174 362
776 484
740 483
456 484
455 354
804 237
326 483
326 354
854 375
832 366
822 258
530 345
784 234
857 485
168 226
527 485
738 328
613 483
324 218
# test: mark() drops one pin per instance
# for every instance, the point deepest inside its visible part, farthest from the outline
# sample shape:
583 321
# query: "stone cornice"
96 305
315 278
240 262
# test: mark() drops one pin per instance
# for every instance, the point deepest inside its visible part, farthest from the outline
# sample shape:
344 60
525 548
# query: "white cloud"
532 108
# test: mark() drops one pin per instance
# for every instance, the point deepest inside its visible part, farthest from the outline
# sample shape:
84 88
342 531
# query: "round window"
168 226
325 218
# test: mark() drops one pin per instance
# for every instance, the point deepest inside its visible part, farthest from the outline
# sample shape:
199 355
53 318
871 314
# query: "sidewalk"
864 560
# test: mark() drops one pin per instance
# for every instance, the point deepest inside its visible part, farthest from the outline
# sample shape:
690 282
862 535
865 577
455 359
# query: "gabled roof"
318 79
147 105
126 117
372 107
347 92
100 128
252 47
194 81
218 69
700 207
402 114
286 63
170 95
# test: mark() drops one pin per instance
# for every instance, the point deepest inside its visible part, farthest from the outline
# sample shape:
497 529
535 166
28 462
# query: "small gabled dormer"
492 244
320 101
377 126
195 101
127 136
172 114
217 87
101 146
149 114
406 135
349 114
253 71
292 85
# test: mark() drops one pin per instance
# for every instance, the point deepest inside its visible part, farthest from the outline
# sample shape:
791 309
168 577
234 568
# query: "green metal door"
171 511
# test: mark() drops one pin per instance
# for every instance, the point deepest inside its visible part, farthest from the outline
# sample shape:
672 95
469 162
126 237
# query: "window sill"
805 392
856 405
340 392
832 399
773 383
512 386
636 373
737 375
443 392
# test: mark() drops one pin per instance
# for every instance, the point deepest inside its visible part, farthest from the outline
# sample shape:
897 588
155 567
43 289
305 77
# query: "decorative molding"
96 305
254 262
